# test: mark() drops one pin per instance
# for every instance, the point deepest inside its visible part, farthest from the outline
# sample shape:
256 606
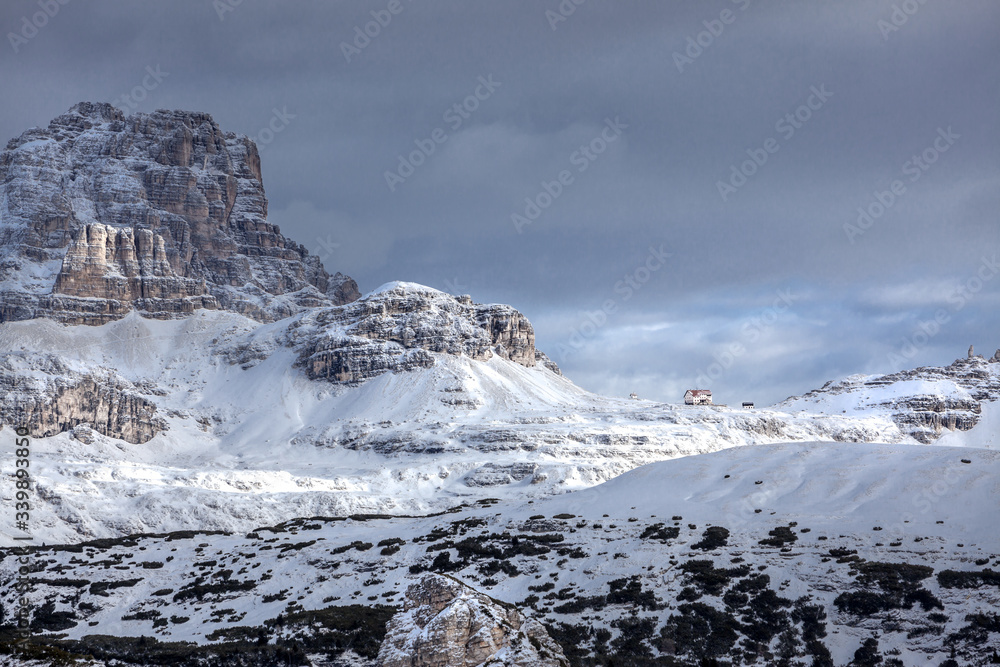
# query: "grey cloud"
450 222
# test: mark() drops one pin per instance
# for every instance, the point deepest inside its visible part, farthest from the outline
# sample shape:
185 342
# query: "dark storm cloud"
689 115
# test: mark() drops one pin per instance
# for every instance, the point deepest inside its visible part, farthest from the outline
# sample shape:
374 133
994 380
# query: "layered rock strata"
925 402
395 327
162 213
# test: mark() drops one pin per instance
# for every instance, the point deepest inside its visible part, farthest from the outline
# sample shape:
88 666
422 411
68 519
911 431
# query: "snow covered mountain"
216 421
406 400
189 374
925 403
174 355
163 213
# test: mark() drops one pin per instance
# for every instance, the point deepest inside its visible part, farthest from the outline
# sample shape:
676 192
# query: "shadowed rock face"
57 400
394 328
447 624
162 213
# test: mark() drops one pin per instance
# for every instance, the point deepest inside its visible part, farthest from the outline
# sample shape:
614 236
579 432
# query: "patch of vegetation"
580 604
490 568
355 627
867 654
46 619
391 541
713 538
357 544
148 615
660 532
633 641
708 579
779 537
575 641
36 650
199 590
575 552
887 586
844 555
764 618
102 587
443 563
74 583
699 631
960 579
629 592
150 651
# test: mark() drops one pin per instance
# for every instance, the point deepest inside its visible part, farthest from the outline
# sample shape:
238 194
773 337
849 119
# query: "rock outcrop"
445 623
163 213
924 402
396 326
64 401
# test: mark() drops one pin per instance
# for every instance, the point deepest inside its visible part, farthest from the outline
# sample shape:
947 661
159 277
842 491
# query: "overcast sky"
697 167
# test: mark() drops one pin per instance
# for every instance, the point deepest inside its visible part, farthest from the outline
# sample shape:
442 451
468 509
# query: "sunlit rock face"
445 623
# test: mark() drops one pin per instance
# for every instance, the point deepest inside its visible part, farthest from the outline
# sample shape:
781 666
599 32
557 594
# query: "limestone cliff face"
394 328
54 399
924 402
162 213
445 623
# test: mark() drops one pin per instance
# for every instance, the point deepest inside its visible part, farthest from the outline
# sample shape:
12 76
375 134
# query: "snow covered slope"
925 402
807 549
231 432
224 423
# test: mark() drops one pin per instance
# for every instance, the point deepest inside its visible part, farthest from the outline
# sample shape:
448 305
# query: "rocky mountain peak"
162 213
396 326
